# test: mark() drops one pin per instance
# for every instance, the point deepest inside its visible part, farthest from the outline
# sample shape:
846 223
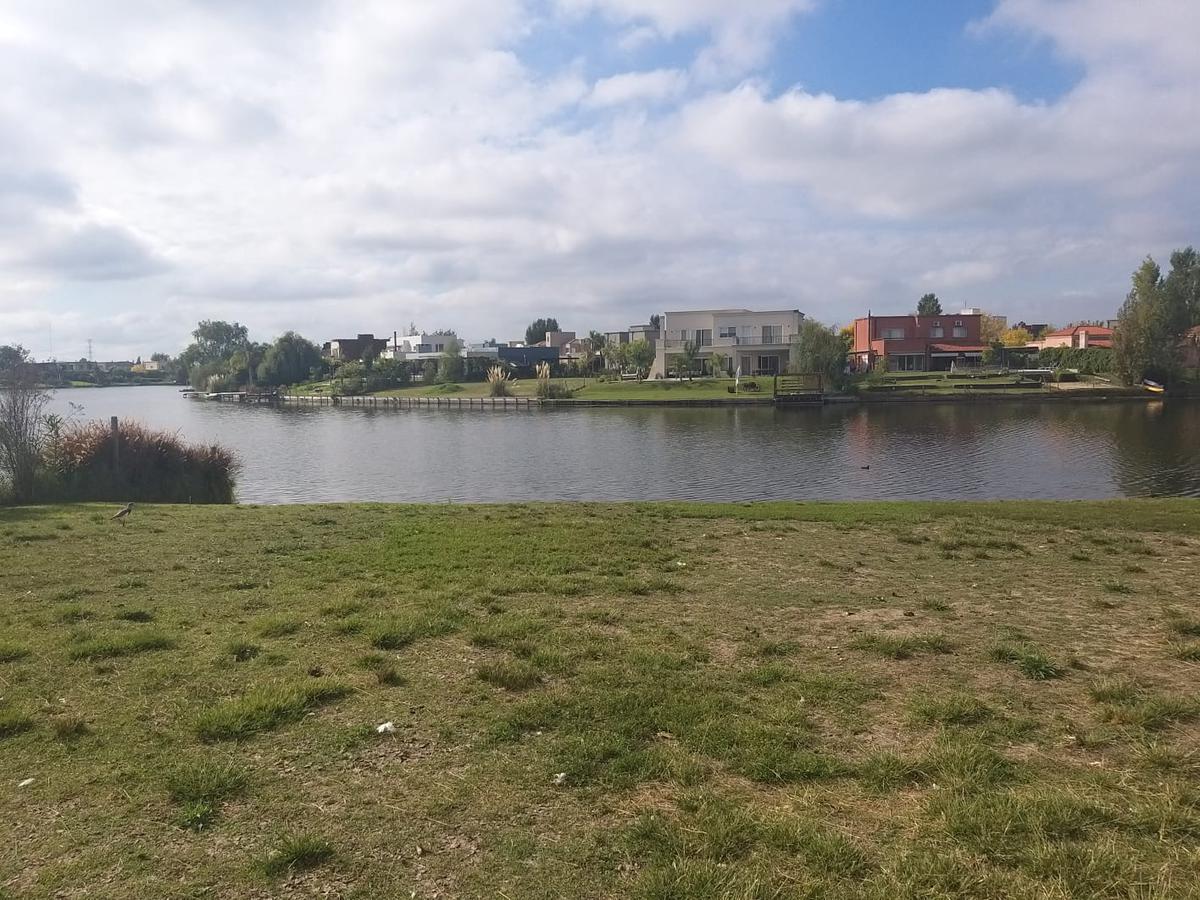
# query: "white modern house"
429 345
757 342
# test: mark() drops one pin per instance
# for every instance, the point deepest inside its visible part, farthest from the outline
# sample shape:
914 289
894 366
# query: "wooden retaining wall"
416 402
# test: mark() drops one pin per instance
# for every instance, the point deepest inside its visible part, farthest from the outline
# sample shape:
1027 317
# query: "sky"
344 166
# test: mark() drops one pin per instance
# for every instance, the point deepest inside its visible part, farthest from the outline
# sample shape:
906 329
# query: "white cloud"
633 87
343 166
741 33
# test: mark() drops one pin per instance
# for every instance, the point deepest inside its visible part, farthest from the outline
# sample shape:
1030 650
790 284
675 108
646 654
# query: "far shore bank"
441 401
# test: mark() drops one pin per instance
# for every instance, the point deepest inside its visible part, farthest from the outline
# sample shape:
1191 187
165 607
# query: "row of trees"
222 357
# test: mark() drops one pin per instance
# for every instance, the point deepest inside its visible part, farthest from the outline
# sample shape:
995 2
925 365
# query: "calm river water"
914 451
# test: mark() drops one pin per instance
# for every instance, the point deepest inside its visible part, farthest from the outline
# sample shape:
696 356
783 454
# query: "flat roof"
730 312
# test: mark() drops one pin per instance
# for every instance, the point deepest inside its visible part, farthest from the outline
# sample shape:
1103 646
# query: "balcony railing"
723 342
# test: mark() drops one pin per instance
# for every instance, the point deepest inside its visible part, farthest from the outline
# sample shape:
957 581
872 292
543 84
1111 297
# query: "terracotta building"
917 343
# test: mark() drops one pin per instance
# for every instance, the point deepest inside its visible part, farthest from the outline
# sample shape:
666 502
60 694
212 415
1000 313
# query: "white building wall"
742 335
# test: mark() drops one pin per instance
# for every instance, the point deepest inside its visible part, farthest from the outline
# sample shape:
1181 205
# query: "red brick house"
917 343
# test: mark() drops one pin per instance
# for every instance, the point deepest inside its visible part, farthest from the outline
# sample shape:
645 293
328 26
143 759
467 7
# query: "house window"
768 365
906 362
958 323
772 334
937 331
893 334
683 335
727 331
959 331
704 337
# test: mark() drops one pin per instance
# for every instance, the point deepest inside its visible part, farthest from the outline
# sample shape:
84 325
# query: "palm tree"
689 357
597 341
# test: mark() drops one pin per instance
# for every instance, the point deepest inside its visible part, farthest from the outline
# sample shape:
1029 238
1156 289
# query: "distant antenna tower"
89 349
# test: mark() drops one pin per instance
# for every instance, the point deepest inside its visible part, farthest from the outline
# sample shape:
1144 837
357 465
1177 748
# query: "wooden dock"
794 390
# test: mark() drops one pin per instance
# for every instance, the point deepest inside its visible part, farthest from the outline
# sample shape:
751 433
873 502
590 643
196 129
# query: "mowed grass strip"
582 700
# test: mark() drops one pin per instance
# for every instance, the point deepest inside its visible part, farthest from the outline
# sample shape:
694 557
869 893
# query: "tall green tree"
536 332
214 340
819 350
1150 327
597 341
290 360
450 366
929 305
689 357
1183 282
640 355
616 355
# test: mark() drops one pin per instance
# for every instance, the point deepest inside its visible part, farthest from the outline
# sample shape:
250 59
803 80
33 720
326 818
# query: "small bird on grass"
123 514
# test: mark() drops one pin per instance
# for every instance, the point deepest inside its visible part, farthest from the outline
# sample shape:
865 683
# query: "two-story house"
758 343
917 343
346 349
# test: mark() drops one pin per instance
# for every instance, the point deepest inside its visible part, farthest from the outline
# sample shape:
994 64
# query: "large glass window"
768 365
893 334
728 331
937 331
704 337
960 331
772 334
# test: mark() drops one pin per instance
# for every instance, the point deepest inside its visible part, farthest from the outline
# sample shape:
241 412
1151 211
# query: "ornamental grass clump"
499 382
550 390
146 465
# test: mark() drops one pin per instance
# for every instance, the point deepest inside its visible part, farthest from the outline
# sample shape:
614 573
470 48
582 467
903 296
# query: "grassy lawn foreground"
656 701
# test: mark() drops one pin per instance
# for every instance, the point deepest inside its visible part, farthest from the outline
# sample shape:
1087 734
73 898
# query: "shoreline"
452 402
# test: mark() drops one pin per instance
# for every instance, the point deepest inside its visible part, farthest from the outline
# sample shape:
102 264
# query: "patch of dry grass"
815 704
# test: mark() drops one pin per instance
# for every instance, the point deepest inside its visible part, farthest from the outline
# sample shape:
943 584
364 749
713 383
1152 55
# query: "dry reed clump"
148 466
499 381
550 390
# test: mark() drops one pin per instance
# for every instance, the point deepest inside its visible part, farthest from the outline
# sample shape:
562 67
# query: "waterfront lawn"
700 701
583 388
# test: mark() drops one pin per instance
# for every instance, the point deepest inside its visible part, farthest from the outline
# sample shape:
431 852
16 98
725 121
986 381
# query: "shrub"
553 390
152 466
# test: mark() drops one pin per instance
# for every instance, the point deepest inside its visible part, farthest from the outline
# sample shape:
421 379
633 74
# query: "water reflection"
900 451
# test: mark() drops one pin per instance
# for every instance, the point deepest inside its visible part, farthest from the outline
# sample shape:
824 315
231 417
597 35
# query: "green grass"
903 646
117 645
297 853
590 389
512 675
576 715
948 709
10 652
14 722
265 708
1030 659
200 785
